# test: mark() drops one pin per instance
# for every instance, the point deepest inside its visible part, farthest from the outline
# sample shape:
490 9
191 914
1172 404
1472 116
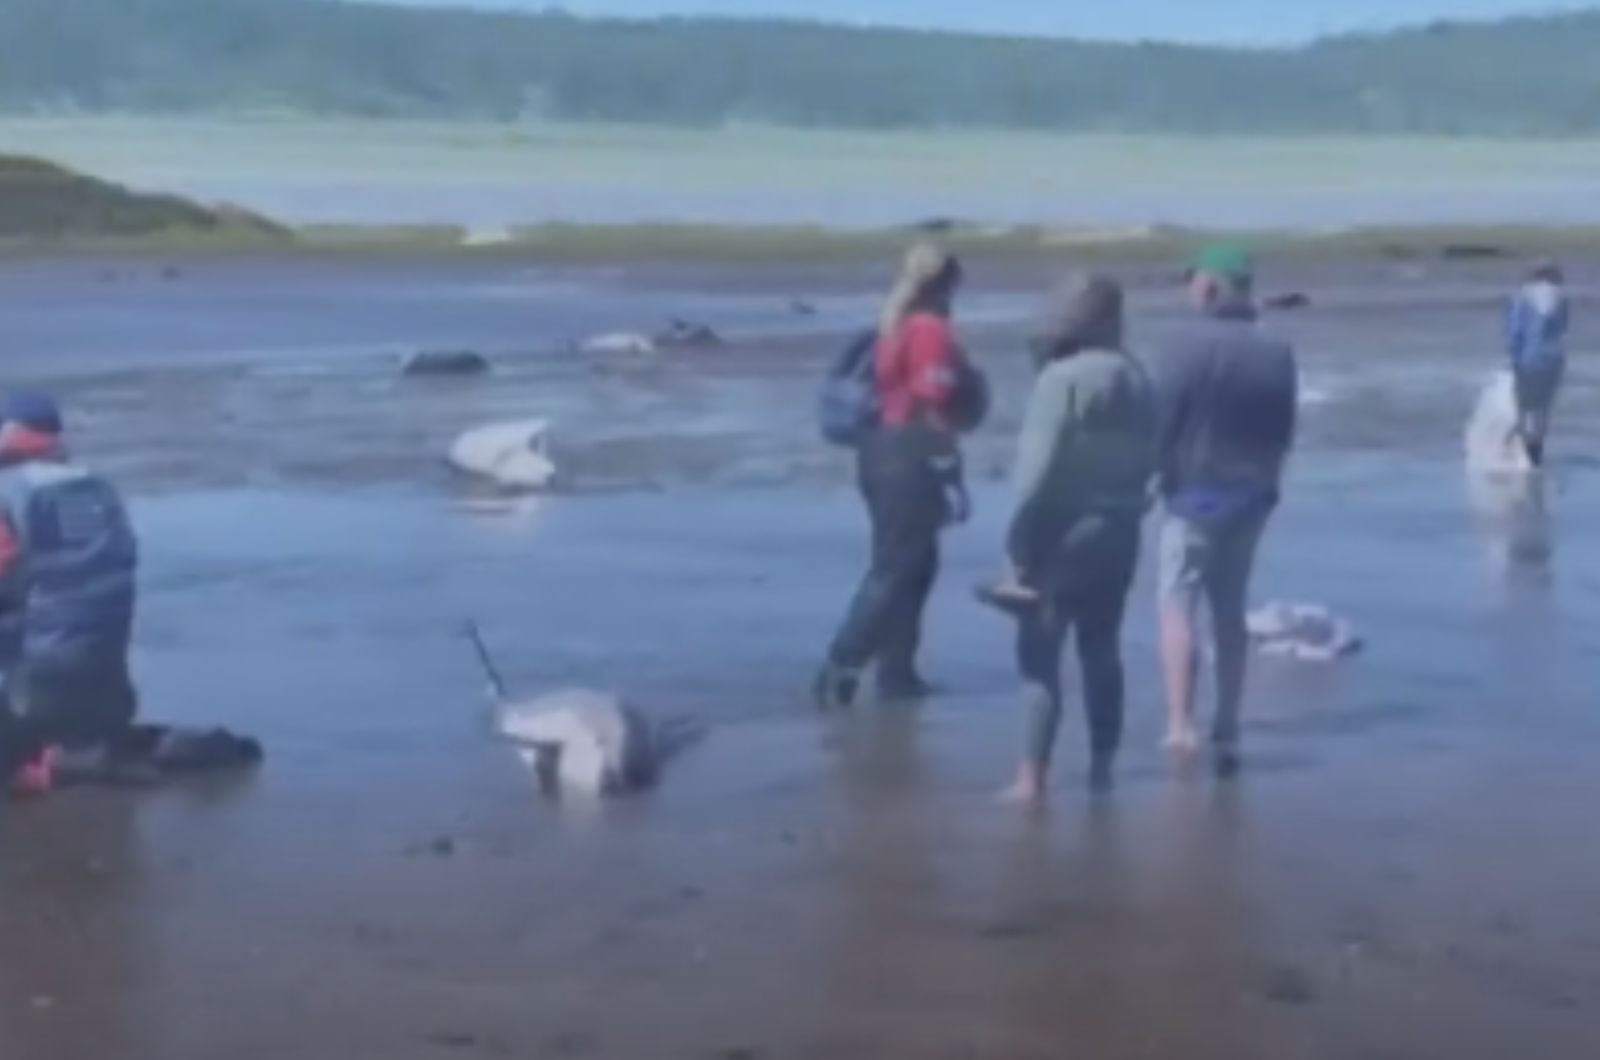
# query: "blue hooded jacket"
1536 327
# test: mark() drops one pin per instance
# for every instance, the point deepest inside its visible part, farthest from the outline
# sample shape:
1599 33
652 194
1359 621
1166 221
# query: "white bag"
1492 442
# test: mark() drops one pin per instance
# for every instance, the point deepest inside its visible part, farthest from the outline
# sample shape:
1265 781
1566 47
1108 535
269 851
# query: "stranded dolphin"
585 741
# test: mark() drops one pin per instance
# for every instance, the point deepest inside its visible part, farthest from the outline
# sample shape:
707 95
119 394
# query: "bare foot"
1028 790
1182 739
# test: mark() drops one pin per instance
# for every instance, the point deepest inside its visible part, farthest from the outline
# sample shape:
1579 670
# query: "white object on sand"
619 343
513 455
487 237
1492 443
587 742
1303 632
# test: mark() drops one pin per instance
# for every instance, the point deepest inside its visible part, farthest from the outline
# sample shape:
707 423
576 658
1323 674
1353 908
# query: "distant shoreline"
490 177
591 194
757 245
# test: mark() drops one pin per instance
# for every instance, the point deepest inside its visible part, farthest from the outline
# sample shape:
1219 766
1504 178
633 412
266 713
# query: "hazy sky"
1228 20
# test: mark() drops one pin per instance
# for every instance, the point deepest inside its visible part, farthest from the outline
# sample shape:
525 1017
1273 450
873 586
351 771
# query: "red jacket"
21 445
917 370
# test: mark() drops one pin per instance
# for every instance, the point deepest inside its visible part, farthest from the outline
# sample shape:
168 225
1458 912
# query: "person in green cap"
1228 394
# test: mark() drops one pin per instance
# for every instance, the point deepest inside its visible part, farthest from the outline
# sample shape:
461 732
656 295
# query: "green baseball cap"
1228 261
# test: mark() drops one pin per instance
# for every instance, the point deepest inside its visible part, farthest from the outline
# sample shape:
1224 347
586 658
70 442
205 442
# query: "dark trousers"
906 502
1084 590
1537 387
73 703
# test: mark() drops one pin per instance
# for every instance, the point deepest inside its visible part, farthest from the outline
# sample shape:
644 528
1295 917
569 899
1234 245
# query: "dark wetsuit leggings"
1085 593
78 704
1537 387
906 502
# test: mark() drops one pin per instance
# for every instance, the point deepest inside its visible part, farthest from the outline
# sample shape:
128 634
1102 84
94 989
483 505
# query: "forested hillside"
1524 76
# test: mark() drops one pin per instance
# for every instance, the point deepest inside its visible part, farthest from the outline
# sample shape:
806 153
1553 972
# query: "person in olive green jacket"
1085 462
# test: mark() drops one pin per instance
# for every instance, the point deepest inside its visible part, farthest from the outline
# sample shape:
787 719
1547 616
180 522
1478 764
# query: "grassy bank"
776 245
763 245
42 203
46 208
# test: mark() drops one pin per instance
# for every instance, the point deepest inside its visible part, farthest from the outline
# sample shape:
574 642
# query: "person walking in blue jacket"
1536 332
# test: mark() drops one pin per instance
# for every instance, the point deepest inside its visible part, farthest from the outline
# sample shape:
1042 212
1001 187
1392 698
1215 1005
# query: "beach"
1399 871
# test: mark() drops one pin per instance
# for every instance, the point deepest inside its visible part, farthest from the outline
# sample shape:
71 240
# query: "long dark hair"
1086 313
1547 272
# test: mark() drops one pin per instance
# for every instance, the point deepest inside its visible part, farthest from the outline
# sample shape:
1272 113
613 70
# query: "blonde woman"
909 471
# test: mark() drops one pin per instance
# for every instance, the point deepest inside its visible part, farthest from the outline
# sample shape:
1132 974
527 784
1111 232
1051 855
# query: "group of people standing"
1205 430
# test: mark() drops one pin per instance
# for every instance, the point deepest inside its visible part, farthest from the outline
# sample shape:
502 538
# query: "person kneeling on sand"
1084 465
68 559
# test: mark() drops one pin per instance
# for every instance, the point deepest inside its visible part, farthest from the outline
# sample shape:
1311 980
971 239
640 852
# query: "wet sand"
1401 870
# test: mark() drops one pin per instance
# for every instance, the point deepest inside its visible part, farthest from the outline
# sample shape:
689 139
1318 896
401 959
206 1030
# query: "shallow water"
1399 872
489 176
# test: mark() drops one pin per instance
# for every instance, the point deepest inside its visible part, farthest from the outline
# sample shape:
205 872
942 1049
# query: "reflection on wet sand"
1515 514
82 936
890 874
1100 923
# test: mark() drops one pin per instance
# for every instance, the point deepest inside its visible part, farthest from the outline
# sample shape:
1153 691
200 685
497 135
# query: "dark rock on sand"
445 362
1288 986
442 848
688 335
453 1040
569 1045
1473 252
1021 929
1290 301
